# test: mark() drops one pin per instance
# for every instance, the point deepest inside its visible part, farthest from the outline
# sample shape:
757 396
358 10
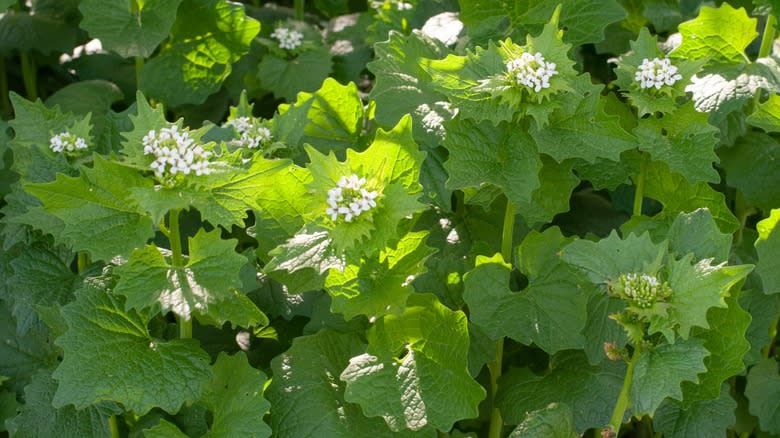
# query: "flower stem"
185 325
767 40
112 424
299 10
506 233
622 402
29 76
640 185
82 261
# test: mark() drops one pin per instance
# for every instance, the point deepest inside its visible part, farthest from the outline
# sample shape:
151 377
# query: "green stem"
640 186
139 67
174 235
772 335
506 233
29 76
622 402
6 106
299 10
82 261
112 424
767 40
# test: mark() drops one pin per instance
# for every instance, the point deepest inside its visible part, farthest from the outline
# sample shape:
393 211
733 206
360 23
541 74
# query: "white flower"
657 73
65 141
288 39
175 153
532 71
252 135
349 198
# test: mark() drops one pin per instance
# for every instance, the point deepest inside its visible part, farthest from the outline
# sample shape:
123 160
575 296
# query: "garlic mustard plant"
641 290
289 39
67 142
656 73
175 152
252 134
350 198
532 71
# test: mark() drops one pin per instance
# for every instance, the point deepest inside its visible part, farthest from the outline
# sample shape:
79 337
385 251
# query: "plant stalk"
29 75
299 10
112 424
622 402
767 40
139 67
640 186
82 261
5 105
506 233
185 325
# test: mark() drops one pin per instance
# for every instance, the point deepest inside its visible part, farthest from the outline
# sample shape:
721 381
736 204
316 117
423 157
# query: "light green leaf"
494 19
412 364
697 233
286 77
38 418
330 119
235 397
659 372
763 391
378 286
554 421
750 163
148 280
557 182
94 209
505 156
703 419
105 344
310 249
551 312
697 287
767 115
236 308
207 37
569 380
164 429
307 398
768 249
707 37
129 28
683 140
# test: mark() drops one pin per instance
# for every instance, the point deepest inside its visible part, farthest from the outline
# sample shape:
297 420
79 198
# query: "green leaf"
697 287
659 372
286 77
725 340
505 156
378 286
753 160
404 87
46 33
678 195
22 355
697 233
307 399
207 37
234 396
413 362
768 249
683 140
557 182
235 308
149 280
554 421
164 429
9 408
767 115
94 209
38 418
703 419
330 119
707 37
549 313
586 20
310 249
763 391
104 342
600 330
130 28
569 380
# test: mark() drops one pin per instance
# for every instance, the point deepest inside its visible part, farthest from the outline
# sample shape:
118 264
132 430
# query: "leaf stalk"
29 75
640 186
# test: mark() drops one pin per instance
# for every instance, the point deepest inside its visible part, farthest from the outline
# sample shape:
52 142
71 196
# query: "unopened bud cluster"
288 39
175 152
641 290
67 142
252 135
350 199
532 71
657 73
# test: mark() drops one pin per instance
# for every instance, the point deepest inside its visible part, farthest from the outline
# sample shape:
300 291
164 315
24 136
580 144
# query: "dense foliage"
334 218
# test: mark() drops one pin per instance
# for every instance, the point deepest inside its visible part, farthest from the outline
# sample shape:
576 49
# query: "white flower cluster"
349 198
643 290
175 152
657 73
251 134
65 141
532 71
288 39
399 4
